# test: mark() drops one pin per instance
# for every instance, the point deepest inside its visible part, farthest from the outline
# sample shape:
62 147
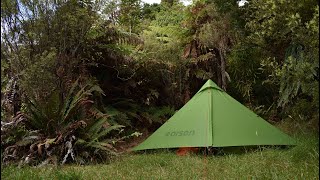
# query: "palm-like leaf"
37 118
74 99
96 132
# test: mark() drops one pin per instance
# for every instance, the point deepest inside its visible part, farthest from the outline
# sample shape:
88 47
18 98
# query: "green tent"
213 118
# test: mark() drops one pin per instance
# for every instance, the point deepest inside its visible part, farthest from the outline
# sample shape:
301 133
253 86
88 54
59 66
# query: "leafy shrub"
60 131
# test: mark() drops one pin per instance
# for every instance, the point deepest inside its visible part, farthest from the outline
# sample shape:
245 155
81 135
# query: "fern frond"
202 58
94 129
107 131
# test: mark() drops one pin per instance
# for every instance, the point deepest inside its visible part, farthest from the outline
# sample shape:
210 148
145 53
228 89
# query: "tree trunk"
222 72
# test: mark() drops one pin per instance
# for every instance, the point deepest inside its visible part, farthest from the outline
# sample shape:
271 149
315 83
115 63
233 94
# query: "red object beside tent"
186 150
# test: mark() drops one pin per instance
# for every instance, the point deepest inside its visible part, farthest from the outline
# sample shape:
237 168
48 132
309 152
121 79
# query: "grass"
299 162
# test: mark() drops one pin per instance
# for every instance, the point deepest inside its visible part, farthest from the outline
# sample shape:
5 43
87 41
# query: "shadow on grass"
218 151
239 150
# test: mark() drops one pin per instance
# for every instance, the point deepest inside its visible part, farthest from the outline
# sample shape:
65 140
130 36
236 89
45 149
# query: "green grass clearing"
300 162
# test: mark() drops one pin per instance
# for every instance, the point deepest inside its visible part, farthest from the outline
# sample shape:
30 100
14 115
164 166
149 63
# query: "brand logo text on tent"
181 133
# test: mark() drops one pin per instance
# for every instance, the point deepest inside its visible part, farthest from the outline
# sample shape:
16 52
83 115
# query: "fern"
74 99
203 58
201 74
297 75
37 119
95 128
95 133
106 131
157 114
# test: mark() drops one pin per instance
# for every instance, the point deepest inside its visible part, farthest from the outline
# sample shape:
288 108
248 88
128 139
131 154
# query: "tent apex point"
209 84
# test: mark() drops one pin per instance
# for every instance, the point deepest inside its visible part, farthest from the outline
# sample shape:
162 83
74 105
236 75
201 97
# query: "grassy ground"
300 162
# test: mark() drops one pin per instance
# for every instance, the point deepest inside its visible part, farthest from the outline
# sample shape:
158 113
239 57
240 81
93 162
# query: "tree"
129 15
211 39
44 44
287 33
